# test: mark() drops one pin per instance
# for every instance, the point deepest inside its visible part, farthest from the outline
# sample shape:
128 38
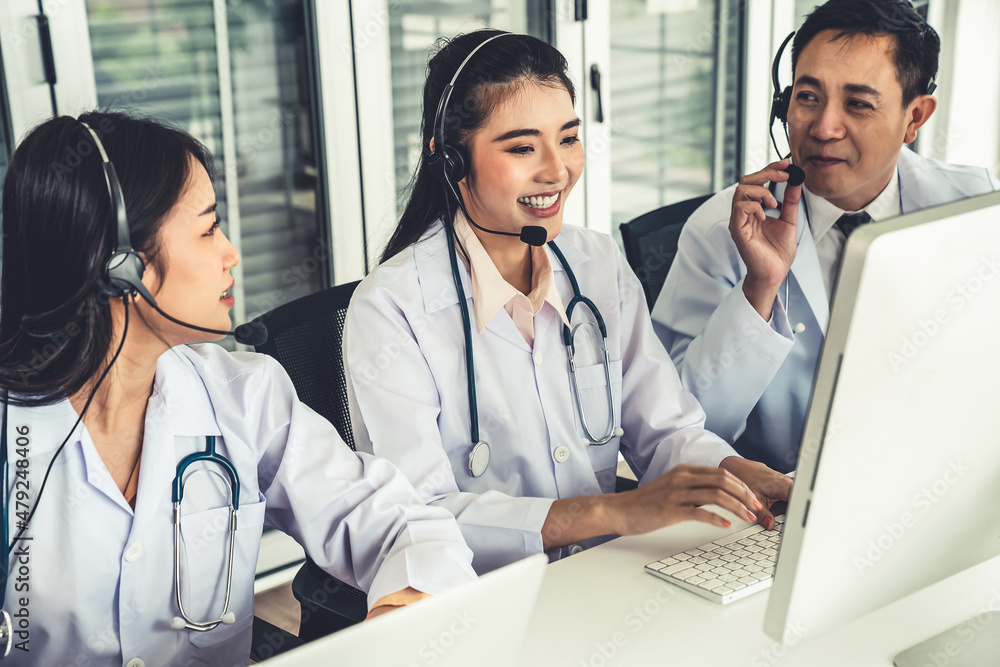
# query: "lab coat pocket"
594 399
204 558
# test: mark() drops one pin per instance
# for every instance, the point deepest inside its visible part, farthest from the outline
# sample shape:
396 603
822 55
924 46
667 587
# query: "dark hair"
917 44
55 322
492 75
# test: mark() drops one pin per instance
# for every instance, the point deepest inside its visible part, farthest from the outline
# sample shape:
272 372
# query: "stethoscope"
233 485
479 457
184 621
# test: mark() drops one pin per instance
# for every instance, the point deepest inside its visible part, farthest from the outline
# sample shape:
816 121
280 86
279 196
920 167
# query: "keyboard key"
749 581
682 556
722 590
695 552
711 584
728 578
694 581
737 585
684 575
697 560
667 562
672 569
704 567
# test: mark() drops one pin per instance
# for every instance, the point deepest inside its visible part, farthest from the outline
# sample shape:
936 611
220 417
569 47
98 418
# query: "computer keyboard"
728 569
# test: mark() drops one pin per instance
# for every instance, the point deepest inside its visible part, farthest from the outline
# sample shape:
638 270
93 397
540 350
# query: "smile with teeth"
539 202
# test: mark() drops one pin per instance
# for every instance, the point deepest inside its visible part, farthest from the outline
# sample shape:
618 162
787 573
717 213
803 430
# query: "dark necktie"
851 221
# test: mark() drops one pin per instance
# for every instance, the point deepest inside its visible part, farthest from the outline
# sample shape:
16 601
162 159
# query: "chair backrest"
305 337
651 243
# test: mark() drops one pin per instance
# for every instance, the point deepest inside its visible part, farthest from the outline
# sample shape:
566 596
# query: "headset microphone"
252 333
796 175
535 235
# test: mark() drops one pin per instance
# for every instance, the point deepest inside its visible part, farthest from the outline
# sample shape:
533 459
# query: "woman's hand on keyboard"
769 486
678 495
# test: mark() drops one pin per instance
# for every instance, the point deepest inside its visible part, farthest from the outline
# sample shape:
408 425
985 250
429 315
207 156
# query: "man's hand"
767 245
769 486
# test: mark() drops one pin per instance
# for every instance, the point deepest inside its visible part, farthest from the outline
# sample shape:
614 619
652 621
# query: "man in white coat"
745 307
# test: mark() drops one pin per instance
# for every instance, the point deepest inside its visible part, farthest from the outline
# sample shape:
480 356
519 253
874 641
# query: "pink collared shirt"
490 292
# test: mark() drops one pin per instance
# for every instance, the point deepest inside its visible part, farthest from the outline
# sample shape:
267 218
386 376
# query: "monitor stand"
974 643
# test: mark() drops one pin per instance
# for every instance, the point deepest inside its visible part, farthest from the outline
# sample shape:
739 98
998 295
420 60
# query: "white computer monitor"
898 478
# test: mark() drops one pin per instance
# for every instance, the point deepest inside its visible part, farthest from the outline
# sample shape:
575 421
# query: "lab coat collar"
918 181
430 254
184 407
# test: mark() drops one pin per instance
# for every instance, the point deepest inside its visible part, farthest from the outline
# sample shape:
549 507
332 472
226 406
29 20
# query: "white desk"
600 608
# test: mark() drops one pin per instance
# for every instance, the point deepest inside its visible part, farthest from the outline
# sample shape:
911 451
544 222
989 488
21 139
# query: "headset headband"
442 109
115 195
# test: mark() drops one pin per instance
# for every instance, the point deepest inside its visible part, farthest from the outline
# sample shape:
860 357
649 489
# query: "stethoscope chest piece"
6 633
479 459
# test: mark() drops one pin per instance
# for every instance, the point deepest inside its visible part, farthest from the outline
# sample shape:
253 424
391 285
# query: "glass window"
668 141
237 76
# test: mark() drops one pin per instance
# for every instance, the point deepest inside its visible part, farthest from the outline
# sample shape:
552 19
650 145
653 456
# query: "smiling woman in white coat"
104 400
499 160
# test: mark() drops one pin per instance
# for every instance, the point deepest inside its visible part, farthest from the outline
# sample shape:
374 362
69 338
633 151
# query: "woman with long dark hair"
475 350
110 420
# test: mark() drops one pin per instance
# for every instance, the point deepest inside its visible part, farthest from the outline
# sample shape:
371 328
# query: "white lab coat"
101 578
754 379
406 377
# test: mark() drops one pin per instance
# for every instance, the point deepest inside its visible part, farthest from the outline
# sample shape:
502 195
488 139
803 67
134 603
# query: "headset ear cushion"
782 101
123 274
456 163
437 166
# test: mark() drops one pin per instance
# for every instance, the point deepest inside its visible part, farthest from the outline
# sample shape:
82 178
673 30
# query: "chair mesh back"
651 243
305 337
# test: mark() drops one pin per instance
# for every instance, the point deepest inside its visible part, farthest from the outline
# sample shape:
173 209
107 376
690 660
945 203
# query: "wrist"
761 295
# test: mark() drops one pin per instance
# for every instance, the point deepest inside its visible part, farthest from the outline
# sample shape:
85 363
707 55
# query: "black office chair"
305 336
651 243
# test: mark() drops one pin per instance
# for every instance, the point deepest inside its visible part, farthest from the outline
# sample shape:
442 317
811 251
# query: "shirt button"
131 555
537 358
135 662
561 454
575 549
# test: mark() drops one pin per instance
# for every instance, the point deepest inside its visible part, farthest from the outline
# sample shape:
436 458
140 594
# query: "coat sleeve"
357 516
725 352
395 404
662 421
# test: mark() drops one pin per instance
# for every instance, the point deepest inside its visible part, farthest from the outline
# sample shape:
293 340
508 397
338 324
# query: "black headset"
449 162
122 274
782 97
